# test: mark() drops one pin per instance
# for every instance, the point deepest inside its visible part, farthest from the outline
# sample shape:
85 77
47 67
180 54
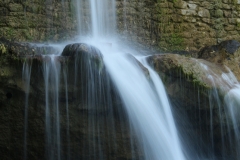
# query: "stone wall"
165 24
31 20
180 24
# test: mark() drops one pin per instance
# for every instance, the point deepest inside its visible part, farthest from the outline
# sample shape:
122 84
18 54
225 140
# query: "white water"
145 99
228 111
147 106
96 18
26 77
51 74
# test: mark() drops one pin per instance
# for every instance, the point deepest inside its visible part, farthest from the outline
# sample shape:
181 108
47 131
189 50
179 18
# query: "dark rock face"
16 50
73 50
226 53
219 53
86 132
230 46
196 89
81 51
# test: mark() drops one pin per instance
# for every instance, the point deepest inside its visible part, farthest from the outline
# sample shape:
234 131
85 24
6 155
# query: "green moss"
3 49
174 42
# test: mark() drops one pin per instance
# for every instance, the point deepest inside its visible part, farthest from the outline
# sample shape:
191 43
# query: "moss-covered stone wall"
180 24
34 20
165 24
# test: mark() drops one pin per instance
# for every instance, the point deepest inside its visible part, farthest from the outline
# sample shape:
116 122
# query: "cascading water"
26 75
148 109
150 115
96 18
51 70
225 112
106 85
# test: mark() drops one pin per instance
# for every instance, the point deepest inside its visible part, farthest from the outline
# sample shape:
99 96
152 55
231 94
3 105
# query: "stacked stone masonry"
164 24
180 25
34 20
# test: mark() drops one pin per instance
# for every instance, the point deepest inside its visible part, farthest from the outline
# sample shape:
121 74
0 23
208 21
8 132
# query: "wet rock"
219 53
196 88
82 51
227 53
19 50
175 65
230 46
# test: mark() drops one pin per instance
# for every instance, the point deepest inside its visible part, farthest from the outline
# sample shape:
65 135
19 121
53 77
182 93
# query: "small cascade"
26 77
51 74
100 104
96 18
226 109
148 109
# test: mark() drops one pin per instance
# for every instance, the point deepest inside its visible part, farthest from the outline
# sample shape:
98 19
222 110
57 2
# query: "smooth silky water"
144 100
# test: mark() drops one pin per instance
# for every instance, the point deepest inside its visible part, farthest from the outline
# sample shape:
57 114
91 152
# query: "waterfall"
148 110
226 110
26 77
122 109
51 74
96 18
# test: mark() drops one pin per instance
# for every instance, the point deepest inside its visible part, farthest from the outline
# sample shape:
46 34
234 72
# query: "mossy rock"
193 70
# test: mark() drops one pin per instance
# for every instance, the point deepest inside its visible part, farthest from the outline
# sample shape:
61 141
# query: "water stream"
144 109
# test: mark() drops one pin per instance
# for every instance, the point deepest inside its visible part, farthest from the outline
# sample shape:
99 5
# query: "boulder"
197 87
83 52
221 52
194 70
226 54
92 119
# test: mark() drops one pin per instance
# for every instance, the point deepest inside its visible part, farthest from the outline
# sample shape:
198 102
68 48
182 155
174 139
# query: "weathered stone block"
225 1
232 20
162 5
177 18
217 13
188 12
15 7
221 33
226 6
207 20
187 27
227 13
186 34
189 19
3 11
229 28
207 5
192 6
202 12
232 33
180 4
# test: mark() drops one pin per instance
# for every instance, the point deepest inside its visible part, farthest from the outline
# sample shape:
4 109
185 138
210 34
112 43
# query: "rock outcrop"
197 86
97 122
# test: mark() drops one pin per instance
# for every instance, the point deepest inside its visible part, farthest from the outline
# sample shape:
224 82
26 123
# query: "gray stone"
188 12
192 6
180 4
203 13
